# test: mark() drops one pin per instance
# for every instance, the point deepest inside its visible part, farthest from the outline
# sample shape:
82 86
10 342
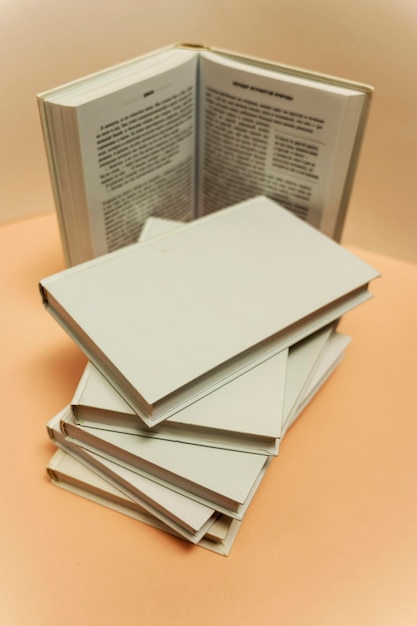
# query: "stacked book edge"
205 342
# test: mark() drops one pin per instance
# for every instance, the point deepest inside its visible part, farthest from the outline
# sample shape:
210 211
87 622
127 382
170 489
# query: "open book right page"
285 136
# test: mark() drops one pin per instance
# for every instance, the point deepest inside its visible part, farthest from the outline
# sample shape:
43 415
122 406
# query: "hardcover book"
67 472
103 481
169 320
187 130
225 480
306 374
184 515
245 414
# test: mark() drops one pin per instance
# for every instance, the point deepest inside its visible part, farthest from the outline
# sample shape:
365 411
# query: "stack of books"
205 342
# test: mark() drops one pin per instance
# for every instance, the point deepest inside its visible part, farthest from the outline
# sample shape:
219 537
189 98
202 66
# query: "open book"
187 130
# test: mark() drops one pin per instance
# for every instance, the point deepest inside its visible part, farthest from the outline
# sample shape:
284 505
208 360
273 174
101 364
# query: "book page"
138 152
264 132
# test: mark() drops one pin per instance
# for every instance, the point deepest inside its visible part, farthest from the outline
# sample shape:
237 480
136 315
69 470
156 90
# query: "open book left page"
124 179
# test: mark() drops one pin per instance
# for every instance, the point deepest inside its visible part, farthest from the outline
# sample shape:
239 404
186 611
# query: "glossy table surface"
330 538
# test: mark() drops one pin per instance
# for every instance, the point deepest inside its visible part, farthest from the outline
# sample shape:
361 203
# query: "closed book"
245 414
171 319
184 515
67 472
225 480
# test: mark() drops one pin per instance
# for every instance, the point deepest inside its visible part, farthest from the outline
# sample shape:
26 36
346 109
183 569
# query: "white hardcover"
245 414
225 480
185 516
324 367
68 473
214 296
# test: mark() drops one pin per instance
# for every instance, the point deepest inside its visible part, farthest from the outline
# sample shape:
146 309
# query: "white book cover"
185 516
305 357
225 480
329 359
68 473
245 414
97 404
76 475
211 297
215 420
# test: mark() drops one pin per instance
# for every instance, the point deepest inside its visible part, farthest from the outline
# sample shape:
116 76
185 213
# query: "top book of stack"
170 320
188 130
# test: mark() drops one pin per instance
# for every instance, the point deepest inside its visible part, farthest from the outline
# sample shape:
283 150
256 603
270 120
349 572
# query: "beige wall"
45 43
